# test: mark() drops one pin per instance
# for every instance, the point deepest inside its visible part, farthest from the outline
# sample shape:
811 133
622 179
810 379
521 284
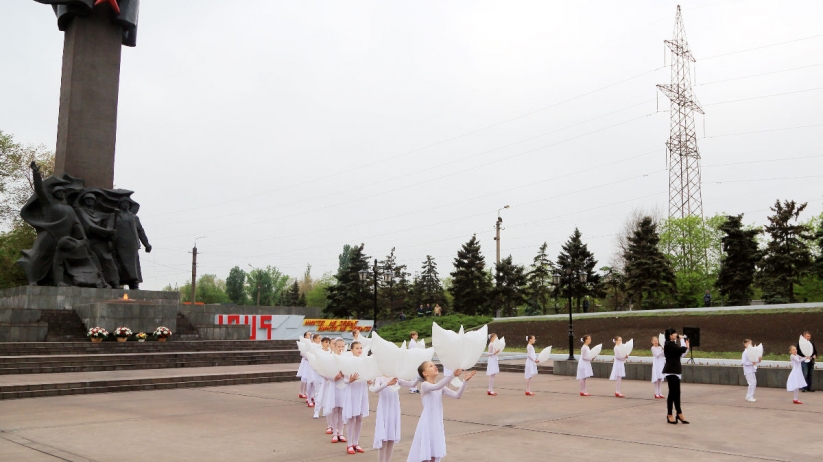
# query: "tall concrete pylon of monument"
87 122
685 197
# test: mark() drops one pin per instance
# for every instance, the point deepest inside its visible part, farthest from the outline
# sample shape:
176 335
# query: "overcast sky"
283 130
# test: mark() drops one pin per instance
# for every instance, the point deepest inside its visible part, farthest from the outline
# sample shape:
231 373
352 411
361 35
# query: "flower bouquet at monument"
162 333
122 333
97 334
141 336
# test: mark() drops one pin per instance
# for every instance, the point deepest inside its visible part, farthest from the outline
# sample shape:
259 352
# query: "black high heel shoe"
673 422
680 419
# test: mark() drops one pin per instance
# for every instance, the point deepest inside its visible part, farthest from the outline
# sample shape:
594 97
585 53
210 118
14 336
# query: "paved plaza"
267 422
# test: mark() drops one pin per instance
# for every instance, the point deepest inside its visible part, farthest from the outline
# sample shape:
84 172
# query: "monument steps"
151 346
64 325
143 384
185 329
92 363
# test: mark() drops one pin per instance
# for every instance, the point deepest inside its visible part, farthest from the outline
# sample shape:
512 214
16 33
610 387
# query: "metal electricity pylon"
685 198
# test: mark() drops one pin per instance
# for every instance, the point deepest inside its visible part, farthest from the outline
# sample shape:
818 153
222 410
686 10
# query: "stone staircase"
185 329
64 326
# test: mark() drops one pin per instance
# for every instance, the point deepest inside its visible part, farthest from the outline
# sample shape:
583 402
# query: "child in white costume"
531 364
413 344
387 422
429 442
584 366
334 398
355 404
301 371
796 380
492 365
619 367
750 371
658 361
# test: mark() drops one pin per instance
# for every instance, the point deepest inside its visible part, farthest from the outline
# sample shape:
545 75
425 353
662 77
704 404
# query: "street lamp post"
557 279
364 276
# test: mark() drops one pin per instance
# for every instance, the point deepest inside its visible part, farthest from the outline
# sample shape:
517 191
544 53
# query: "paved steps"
96 382
128 361
151 346
64 325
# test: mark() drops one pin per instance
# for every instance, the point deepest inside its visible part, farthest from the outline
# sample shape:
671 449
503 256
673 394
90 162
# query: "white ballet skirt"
332 396
355 400
531 366
584 366
658 361
492 366
430 435
301 370
619 367
387 421
796 380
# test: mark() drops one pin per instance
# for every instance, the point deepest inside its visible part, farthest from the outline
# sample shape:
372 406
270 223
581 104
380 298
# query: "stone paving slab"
267 422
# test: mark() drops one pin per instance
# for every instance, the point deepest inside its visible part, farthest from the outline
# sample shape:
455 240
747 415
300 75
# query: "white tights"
337 421
617 384
583 385
384 453
491 383
657 389
353 427
302 387
797 395
529 384
310 392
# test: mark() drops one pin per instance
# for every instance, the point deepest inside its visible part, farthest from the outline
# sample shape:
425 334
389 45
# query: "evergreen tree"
510 283
787 257
301 301
235 284
649 276
614 286
431 289
576 256
539 280
393 293
471 283
348 296
739 261
291 296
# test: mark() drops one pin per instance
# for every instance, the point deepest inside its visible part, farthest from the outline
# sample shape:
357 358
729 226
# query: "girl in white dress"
413 344
658 361
796 380
429 443
749 371
584 366
325 343
492 366
313 380
531 364
355 404
333 398
619 367
301 371
387 422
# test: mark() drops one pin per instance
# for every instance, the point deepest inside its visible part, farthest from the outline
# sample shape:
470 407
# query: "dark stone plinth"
87 123
137 316
68 298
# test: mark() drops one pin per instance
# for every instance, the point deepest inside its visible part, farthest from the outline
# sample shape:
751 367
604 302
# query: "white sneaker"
751 400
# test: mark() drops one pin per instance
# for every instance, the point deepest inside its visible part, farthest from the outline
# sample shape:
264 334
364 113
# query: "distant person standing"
402 316
808 363
586 305
438 311
707 299
420 312
428 309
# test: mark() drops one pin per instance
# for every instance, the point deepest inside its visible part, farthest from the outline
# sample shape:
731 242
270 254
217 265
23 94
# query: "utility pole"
193 273
497 226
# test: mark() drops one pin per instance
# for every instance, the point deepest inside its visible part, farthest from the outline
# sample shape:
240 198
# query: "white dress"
531 366
492 366
619 367
796 380
301 370
584 366
387 422
658 361
355 400
430 434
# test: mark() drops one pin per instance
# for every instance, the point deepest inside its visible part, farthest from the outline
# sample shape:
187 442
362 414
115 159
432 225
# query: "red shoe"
310 404
583 393
335 439
342 438
329 431
491 393
358 448
528 393
661 396
618 395
302 396
796 401
350 450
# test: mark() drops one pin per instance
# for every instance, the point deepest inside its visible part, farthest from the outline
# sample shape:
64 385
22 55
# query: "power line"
764 96
762 47
757 75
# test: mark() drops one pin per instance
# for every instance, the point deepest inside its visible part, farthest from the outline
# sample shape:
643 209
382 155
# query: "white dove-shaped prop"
459 350
500 344
323 363
754 352
625 349
364 366
805 346
545 354
595 351
399 362
661 339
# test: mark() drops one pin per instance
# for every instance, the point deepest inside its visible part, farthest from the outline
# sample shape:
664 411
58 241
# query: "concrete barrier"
771 377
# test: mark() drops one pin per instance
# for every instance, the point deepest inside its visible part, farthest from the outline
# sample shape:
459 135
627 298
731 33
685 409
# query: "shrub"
400 331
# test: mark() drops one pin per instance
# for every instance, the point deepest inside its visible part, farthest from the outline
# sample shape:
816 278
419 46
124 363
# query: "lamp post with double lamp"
364 276
557 278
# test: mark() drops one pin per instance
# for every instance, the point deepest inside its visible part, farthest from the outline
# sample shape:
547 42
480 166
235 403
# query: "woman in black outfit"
673 370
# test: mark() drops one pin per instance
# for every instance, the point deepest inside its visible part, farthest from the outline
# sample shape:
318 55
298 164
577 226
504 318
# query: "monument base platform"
69 298
137 316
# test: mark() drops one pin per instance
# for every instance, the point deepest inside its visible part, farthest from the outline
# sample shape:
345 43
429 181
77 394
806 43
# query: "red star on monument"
112 3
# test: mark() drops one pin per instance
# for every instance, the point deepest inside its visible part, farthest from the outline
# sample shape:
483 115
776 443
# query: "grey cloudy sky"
283 130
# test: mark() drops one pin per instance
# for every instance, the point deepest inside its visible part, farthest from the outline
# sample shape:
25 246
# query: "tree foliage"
393 293
787 257
235 286
648 273
510 286
209 289
539 280
738 262
348 296
16 182
471 283
576 257
693 247
21 236
431 288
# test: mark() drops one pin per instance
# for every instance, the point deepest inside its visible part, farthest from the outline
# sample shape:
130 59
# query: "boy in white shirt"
750 371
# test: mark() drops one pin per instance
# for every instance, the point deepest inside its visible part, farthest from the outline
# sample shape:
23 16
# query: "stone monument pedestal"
137 316
69 298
